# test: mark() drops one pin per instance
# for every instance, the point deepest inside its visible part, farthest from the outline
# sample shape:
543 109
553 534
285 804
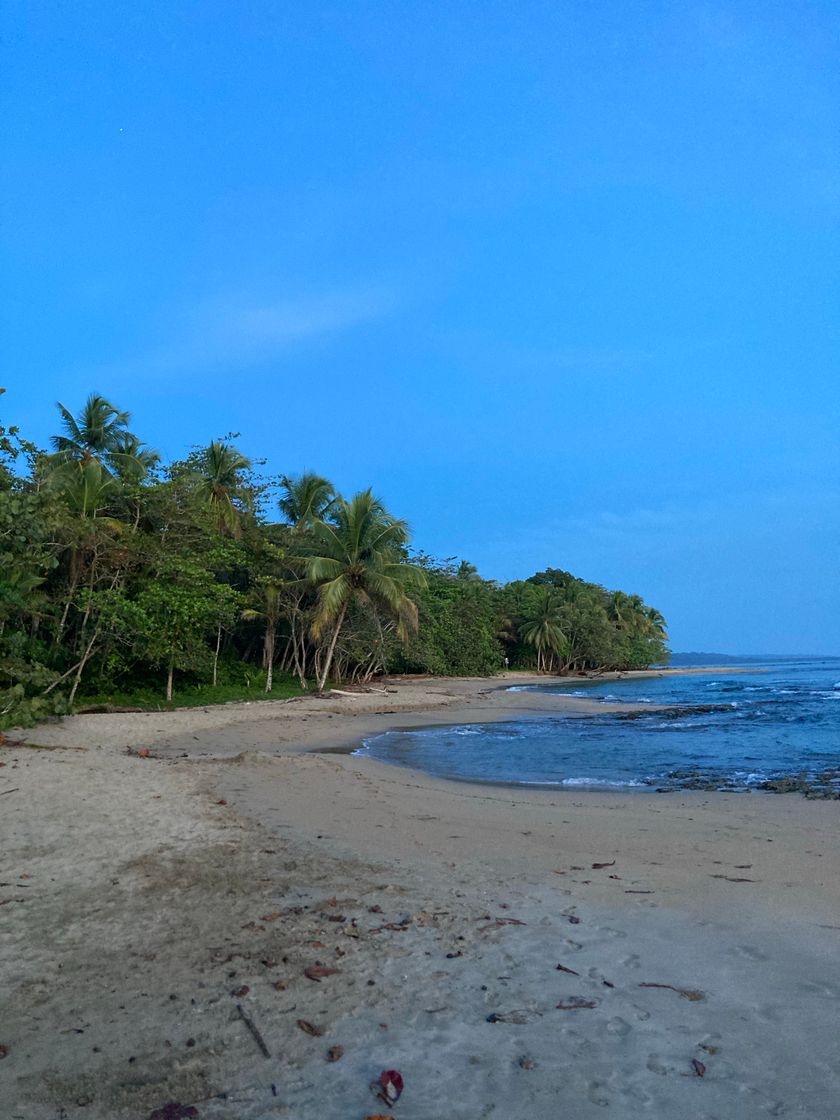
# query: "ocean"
778 720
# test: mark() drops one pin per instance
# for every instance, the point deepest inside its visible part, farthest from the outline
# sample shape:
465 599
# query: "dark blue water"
776 723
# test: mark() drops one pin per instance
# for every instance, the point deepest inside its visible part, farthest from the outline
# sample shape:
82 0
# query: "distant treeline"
120 574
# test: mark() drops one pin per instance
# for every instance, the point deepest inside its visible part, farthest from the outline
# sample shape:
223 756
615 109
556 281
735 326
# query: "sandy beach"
513 953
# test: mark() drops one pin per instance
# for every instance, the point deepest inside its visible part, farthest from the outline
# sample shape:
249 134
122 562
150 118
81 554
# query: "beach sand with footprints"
208 926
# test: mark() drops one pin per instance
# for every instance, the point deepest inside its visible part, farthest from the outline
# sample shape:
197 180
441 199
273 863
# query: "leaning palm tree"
358 555
656 625
306 498
220 469
542 627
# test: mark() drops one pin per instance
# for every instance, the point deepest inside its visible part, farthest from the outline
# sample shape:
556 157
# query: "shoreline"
411 704
148 897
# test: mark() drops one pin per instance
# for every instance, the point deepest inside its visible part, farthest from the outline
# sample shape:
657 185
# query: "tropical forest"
125 580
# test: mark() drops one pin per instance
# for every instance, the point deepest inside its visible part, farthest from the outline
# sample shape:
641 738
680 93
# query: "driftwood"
105 710
348 692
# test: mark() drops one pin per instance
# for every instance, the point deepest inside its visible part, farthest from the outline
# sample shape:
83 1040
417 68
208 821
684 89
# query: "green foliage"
458 626
166 585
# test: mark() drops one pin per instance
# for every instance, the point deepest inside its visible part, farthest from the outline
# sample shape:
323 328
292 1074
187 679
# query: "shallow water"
766 724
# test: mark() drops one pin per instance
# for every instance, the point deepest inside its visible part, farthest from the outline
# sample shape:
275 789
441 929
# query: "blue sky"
560 280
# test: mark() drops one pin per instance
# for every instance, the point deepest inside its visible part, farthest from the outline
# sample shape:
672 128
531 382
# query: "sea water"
732 730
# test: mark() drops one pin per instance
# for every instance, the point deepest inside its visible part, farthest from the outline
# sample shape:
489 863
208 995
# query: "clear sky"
560 280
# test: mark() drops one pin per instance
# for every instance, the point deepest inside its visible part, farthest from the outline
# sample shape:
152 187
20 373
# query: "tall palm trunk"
269 655
325 671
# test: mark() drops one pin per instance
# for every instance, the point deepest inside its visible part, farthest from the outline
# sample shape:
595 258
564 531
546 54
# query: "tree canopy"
124 576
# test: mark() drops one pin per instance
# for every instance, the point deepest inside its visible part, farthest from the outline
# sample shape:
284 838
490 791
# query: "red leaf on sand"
319 971
310 1028
4 1050
699 1068
390 1086
571 971
144 752
576 1003
221 801
600 866
334 1053
243 991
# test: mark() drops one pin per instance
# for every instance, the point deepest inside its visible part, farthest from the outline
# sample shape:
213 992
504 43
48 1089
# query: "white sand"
125 884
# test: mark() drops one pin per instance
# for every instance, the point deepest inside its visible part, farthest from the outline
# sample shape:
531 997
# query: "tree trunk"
216 655
325 671
169 677
81 667
269 656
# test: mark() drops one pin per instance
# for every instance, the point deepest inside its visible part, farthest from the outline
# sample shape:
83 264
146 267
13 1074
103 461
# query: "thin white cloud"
724 529
229 331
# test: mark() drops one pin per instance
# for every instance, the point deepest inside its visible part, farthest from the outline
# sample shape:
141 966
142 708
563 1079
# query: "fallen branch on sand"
693 994
252 1027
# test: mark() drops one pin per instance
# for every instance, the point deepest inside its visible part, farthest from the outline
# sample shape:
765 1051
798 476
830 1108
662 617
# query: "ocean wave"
600 783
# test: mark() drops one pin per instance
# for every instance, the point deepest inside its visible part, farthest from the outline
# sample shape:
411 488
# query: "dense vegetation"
124 577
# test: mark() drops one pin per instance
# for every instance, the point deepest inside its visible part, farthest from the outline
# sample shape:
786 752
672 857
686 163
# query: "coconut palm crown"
306 498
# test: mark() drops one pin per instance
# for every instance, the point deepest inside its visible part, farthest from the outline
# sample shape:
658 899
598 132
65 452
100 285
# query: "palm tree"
358 555
93 433
99 434
657 627
306 498
542 627
268 608
86 485
220 468
619 608
131 459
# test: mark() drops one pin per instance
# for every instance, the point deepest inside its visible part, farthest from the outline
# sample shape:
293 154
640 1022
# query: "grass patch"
194 696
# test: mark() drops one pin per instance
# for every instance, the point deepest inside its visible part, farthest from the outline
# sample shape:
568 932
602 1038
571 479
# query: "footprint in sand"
656 1065
826 991
597 1093
636 1094
618 1026
633 961
769 1013
750 953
